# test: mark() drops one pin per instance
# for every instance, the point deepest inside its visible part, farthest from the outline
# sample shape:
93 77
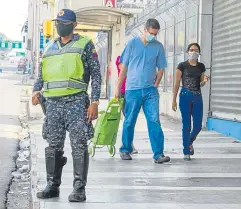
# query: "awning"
99 18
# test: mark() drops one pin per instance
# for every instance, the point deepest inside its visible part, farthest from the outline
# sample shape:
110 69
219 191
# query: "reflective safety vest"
63 69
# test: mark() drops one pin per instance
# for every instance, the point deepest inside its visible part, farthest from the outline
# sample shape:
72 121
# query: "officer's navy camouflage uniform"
69 113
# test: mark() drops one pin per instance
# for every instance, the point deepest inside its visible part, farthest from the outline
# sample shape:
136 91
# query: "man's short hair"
152 23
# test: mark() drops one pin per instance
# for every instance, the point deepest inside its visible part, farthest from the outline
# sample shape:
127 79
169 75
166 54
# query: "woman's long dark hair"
195 44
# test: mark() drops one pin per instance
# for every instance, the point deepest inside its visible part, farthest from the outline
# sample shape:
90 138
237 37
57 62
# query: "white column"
205 40
118 44
112 66
37 36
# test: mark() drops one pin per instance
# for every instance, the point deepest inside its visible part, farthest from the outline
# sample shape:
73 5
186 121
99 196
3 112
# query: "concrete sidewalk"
211 180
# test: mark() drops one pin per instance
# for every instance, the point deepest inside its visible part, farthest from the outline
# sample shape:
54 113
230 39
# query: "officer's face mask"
64 29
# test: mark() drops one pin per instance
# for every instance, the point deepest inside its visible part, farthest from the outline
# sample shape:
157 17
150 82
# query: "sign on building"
42 41
17 45
3 45
110 3
13 45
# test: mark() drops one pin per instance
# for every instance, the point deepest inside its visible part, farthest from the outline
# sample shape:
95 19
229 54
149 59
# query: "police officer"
67 65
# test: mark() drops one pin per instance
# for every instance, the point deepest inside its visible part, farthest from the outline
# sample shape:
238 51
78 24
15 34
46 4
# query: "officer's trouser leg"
80 163
80 131
53 156
81 166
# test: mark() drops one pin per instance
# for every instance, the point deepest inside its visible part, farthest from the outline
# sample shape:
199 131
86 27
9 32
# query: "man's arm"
94 68
161 65
159 77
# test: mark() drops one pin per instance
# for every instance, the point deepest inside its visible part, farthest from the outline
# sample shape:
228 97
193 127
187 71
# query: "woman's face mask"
193 55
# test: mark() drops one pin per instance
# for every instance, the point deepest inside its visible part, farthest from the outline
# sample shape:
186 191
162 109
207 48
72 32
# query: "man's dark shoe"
162 159
125 156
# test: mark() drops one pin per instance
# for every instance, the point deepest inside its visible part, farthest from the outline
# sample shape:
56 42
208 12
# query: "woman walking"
192 75
123 89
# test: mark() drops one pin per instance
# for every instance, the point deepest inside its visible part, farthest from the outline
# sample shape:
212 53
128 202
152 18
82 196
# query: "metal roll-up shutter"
226 60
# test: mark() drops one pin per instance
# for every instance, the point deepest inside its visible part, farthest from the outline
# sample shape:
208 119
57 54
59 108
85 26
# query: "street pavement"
9 128
212 180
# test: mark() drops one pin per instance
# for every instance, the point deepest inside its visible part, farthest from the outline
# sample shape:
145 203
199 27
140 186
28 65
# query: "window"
161 37
169 74
178 58
170 41
192 10
180 38
192 26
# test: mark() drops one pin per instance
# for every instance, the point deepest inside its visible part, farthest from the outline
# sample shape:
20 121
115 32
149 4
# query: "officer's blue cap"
66 15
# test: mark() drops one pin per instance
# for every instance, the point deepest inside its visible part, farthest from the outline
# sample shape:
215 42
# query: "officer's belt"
65 84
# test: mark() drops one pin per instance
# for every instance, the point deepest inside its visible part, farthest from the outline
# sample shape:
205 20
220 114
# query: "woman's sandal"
187 158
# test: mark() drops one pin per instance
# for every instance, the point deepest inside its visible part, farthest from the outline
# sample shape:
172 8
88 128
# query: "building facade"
215 25
225 96
24 34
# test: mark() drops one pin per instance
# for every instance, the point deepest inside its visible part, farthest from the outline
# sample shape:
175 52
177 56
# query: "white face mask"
193 55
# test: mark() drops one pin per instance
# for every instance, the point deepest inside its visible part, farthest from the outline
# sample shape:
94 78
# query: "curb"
24 119
33 173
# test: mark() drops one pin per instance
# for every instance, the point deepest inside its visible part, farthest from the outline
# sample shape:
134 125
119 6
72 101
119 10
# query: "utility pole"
32 18
37 35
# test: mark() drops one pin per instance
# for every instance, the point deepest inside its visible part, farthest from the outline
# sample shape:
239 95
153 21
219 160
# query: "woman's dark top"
191 75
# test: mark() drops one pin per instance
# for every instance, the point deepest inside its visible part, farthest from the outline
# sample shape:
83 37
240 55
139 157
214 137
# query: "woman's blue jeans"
191 106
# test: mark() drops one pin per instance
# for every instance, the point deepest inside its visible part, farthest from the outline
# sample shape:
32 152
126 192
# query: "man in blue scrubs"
143 62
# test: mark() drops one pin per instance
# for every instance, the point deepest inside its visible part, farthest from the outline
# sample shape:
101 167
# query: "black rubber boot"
81 166
54 166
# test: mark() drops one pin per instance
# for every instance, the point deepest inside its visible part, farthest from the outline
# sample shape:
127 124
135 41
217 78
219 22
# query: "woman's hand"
205 80
174 106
